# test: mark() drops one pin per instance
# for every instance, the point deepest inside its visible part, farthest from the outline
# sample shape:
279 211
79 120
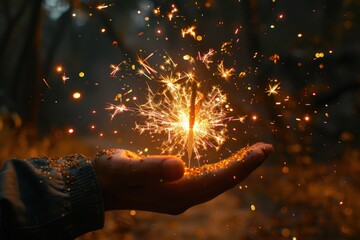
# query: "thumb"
138 170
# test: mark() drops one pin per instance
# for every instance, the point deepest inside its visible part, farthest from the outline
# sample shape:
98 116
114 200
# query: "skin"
158 183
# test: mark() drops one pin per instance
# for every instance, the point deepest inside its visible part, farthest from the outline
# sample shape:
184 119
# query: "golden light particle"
319 55
146 150
285 232
132 212
285 170
76 95
275 58
70 130
186 57
299 35
103 30
59 68
242 74
199 38
81 74
252 207
307 118
156 11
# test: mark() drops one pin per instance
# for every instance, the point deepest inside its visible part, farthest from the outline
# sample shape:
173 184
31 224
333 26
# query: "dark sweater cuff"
87 211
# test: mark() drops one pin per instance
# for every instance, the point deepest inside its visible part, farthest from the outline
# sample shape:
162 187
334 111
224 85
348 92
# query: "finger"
241 165
208 182
148 170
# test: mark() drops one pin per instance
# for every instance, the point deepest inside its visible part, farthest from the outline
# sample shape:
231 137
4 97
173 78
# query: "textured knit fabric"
43 198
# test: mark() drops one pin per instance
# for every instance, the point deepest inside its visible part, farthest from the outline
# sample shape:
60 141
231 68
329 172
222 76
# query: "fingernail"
173 169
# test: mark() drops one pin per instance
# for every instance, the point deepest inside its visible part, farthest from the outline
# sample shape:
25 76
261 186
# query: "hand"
163 184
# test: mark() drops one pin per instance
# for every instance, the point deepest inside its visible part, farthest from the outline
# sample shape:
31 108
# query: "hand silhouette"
163 184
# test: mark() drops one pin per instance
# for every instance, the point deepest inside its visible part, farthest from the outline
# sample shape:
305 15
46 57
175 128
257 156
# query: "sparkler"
191 120
117 109
190 141
146 65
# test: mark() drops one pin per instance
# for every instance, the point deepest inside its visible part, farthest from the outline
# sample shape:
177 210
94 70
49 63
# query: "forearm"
49 198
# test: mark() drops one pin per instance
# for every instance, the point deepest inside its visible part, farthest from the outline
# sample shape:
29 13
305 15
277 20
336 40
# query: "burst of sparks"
146 65
273 89
170 61
225 73
171 81
141 72
115 69
191 120
206 58
190 31
168 113
117 109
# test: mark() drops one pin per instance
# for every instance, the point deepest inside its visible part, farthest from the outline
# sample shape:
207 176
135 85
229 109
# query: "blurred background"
57 59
